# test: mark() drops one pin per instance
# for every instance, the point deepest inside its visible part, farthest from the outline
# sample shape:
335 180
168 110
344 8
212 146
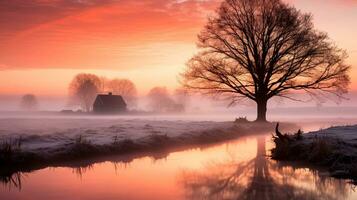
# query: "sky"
44 43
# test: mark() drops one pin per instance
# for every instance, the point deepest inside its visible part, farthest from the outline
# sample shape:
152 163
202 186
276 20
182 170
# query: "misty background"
197 104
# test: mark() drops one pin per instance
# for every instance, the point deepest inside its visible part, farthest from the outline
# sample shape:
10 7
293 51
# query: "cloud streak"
93 33
17 15
138 39
103 34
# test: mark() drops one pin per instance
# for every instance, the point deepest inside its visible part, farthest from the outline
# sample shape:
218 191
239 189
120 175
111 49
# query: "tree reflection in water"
260 179
12 180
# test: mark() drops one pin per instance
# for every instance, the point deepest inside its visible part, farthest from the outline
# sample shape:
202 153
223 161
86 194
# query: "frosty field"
44 135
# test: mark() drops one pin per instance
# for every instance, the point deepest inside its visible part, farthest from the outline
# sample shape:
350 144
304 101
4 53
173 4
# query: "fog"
50 134
196 108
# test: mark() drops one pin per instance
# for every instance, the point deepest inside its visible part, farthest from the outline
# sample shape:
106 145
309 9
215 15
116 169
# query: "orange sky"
44 43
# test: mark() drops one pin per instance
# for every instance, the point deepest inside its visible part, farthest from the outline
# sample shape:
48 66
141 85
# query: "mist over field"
178 99
206 106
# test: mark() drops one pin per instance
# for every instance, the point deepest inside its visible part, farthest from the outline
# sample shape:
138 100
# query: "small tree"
29 102
125 88
160 100
182 97
259 49
83 90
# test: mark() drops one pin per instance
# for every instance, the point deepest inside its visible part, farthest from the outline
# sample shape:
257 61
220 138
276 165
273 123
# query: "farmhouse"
109 103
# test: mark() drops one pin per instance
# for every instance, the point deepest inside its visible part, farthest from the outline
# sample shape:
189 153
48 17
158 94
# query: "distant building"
109 103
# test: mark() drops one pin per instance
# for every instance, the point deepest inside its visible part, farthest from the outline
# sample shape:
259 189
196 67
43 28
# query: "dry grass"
9 148
81 147
321 151
12 180
317 151
125 145
353 172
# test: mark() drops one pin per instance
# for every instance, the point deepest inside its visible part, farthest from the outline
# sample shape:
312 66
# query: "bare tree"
160 101
258 49
83 90
258 178
29 102
125 88
182 97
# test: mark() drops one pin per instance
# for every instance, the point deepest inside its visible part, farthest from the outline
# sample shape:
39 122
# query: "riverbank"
333 148
30 144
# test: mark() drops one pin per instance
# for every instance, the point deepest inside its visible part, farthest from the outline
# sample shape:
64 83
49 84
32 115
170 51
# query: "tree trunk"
261 110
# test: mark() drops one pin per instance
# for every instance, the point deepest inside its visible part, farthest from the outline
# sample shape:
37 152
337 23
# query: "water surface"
238 169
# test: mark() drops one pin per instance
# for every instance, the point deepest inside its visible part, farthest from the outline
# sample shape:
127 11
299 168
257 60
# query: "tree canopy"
259 49
83 90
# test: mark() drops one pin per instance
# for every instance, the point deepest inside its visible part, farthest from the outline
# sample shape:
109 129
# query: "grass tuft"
125 145
81 147
9 148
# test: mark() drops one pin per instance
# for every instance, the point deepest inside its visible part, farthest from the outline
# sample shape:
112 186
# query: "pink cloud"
89 33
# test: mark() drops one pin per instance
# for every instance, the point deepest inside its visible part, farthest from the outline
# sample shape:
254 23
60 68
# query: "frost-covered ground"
43 135
345 134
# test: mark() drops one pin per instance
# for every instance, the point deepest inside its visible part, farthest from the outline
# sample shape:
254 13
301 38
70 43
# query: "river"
238 169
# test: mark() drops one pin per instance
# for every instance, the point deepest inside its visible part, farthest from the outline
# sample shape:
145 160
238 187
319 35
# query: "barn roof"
109 99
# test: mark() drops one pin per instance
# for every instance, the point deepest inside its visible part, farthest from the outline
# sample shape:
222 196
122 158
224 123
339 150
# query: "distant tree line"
160 100
84 88
29 102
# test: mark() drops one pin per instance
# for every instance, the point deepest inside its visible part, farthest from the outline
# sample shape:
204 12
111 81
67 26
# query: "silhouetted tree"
258 49
259 178
182 97
29 102
160 101
83 90
125 88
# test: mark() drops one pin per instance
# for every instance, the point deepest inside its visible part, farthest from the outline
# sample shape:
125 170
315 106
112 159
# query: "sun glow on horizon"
148 42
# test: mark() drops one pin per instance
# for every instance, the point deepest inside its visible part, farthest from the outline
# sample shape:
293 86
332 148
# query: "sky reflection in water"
234 170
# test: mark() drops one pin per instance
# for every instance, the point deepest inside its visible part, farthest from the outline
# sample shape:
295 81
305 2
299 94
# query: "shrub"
281 150
241 120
